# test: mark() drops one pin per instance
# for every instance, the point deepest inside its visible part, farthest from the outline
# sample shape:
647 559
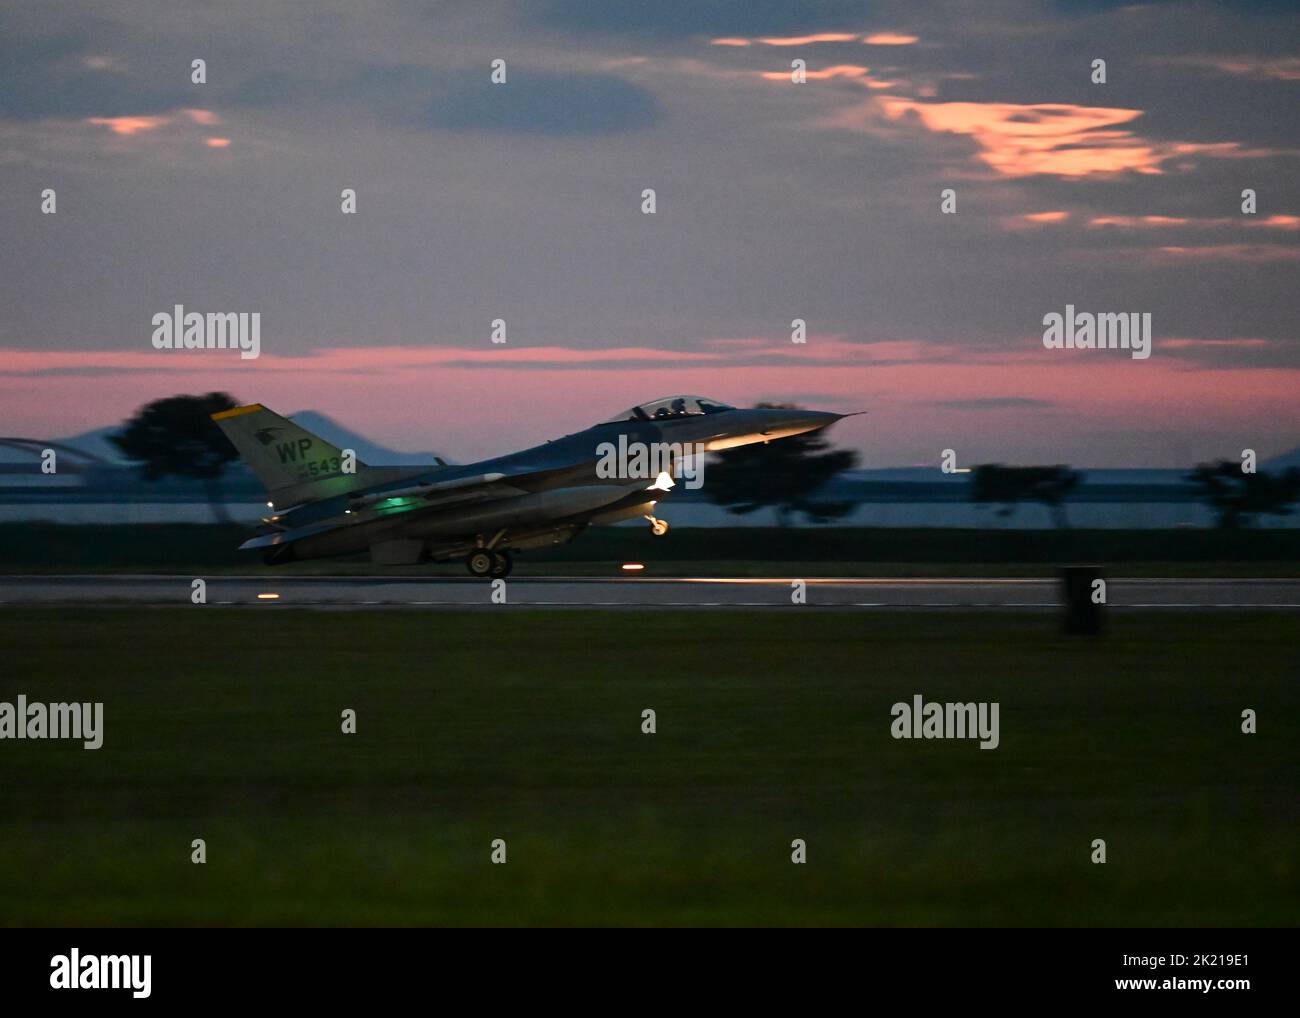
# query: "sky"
775 200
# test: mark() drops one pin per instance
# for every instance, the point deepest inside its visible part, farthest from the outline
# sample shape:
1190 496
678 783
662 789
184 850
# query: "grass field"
224 724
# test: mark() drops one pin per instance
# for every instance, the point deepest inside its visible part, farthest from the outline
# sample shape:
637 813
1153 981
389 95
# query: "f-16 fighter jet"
324 502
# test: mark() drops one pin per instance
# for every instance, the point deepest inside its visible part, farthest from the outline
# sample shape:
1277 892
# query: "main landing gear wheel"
481 562
502 563
658 527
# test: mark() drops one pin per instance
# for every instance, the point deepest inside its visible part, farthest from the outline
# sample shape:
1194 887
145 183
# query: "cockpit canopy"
670 406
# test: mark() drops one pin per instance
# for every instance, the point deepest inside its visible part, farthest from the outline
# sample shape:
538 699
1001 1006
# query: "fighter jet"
324 502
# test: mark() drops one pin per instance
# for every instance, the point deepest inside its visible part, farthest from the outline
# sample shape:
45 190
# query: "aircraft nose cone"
766 424
796 422
814 419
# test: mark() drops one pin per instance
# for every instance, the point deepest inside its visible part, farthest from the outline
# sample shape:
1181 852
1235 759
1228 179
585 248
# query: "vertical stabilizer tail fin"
293 464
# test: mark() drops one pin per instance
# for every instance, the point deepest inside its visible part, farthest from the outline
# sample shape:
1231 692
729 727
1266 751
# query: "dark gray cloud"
45 75
676 18
1233 354
539 102
531 101
1087 7
48 74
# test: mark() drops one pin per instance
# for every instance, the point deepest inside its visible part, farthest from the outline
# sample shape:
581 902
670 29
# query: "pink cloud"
346 361
1144 222
340 360
181 125
1247 253
1178 344
1040 218
838 71
890 39
1134 222
1057 139
129 125
804 40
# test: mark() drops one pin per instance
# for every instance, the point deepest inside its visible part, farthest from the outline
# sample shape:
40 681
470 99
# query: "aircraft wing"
435 492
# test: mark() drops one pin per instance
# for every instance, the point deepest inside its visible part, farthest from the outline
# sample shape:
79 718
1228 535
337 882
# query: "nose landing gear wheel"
658 527
502 563
480 563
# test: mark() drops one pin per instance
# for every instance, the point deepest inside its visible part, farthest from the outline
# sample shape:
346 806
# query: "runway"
640 593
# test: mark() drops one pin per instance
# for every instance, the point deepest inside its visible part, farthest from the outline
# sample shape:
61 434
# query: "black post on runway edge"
1083 600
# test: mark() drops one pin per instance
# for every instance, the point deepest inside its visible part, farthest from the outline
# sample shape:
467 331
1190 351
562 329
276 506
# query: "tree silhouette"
177 436
1236 496
783 475
1008 486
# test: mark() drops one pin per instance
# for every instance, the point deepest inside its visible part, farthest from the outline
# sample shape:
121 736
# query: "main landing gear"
484 562
658 527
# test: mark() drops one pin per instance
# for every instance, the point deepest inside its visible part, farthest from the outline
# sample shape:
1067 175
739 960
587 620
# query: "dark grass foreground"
224 725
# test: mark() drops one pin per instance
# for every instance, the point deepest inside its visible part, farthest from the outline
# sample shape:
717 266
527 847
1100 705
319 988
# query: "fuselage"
538 496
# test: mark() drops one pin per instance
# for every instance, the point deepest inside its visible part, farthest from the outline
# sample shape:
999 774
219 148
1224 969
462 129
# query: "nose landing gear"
658 527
